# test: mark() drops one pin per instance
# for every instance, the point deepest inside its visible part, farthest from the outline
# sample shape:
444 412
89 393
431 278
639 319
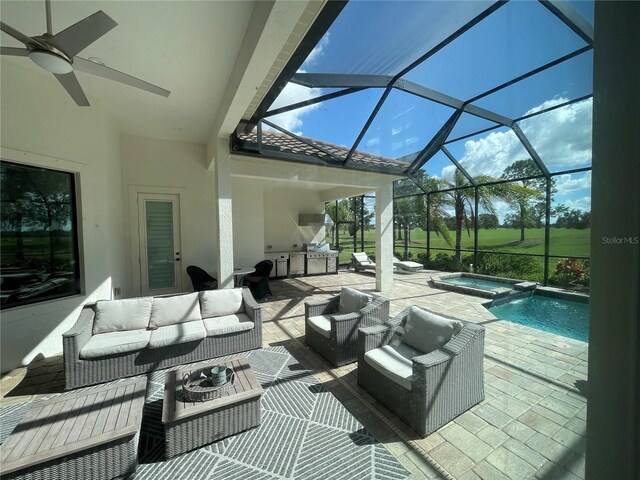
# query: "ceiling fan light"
50 62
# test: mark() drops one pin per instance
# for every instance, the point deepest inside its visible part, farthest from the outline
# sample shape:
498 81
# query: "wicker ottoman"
88 434
189 425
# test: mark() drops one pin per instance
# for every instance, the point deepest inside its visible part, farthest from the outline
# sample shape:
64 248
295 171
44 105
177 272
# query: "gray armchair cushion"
427 331
227 324
321 324
120 315
352 300
112 343
177 333
394 362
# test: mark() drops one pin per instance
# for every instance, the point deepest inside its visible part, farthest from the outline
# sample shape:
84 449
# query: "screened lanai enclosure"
481 109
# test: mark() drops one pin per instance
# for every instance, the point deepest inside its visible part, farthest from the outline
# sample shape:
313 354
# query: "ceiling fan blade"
73 88
87 66
21 37
15 52
77 37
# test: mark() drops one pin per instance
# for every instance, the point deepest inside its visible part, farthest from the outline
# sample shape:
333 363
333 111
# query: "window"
39 256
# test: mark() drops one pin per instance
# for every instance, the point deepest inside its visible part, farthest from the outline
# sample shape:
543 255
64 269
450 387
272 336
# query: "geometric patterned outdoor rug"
305 433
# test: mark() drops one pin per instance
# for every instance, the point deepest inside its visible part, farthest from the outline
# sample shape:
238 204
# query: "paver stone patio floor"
532 423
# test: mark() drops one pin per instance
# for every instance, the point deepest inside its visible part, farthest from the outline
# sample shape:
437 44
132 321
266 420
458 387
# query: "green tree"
339 211
572 218
488 221
527 194
35 200
462 199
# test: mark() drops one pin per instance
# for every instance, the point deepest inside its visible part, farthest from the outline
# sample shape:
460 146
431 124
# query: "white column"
384 237
224 214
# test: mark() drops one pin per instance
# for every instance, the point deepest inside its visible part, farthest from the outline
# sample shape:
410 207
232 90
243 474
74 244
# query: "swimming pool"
481 283
561 316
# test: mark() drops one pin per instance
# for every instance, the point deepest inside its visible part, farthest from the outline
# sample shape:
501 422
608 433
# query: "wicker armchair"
339 341
443 383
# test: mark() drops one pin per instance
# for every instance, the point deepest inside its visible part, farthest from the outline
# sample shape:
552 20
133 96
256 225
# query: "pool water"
480 283
562 317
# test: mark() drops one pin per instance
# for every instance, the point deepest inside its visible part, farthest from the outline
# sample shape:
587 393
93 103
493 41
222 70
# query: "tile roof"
332 154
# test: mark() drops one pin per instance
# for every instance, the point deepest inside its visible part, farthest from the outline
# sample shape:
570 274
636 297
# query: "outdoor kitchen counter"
299 262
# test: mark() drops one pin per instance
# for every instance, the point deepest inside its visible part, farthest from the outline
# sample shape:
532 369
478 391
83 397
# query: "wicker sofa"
425 385
120 338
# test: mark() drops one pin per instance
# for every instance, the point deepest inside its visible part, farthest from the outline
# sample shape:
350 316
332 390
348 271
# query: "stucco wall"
248 221
42 126
160 166
281 209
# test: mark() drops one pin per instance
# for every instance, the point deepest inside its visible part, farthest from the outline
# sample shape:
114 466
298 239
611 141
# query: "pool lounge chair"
407 265
360 261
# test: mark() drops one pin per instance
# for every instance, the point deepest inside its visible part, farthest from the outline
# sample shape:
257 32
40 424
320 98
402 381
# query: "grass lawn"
563 242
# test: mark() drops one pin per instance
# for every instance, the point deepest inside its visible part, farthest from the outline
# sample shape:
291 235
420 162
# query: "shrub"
510 266
570 271
448 263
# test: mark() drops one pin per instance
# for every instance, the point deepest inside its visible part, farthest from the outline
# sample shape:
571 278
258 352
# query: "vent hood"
314 219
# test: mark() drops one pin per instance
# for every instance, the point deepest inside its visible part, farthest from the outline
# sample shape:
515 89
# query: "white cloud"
573 182
293 93
583 203
316 53
561 137
372 142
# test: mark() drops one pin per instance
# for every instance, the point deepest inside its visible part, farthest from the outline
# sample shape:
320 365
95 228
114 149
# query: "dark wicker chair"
200 279
258 281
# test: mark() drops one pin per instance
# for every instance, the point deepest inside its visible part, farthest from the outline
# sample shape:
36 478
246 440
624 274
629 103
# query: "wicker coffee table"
88 434
189 425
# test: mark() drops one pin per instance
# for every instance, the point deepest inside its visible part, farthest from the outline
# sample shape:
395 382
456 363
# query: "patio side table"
88 434
189 425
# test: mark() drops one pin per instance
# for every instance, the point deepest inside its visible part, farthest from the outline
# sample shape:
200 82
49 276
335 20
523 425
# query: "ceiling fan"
58 54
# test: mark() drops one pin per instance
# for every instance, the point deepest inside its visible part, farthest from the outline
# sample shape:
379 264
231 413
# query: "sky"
385 37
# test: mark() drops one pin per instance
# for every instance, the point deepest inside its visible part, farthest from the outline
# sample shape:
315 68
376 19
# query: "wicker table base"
189 425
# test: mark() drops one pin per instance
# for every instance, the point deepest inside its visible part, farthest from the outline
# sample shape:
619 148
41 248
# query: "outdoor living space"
532 423
479 157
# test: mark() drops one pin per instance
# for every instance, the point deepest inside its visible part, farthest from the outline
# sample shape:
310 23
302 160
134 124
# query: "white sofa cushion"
176 309
217 303
112 343
119 315
226 324
321 324
352 300
177 333
394 362
428 331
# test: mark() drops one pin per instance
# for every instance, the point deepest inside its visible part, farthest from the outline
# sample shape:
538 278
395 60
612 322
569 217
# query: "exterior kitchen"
314 258
279 213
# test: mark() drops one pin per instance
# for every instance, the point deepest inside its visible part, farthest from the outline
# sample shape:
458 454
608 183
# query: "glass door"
159 243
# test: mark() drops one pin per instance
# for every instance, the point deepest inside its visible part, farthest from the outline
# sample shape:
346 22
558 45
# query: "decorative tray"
201 385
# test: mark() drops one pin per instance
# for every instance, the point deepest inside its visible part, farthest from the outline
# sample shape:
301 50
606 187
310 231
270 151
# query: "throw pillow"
352 300
175 309
119 315
218 303
427 331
